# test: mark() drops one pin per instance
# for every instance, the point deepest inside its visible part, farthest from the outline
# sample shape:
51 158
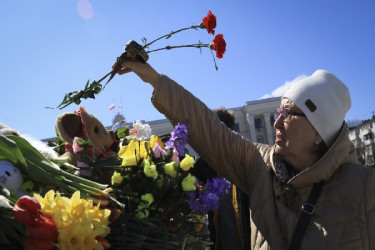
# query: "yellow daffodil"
134 152
187 163
170 169
116 178
78 220
150 170
155 138
188 183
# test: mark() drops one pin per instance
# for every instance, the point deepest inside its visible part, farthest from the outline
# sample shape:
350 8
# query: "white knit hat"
325 100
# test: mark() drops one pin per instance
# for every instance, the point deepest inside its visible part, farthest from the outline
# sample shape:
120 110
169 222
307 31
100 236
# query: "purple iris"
178 140
208 198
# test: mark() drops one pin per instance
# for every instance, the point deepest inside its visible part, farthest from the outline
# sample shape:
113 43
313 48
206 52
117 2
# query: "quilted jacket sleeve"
234 157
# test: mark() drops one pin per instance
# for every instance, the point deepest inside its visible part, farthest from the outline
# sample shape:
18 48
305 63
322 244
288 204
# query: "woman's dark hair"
226 116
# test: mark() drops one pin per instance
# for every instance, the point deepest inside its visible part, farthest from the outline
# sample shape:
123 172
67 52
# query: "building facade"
362 137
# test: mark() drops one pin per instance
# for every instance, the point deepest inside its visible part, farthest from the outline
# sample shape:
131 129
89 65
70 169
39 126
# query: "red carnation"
219 44
209 22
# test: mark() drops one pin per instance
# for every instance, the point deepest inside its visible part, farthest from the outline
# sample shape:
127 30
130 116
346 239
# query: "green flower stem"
174 32
84 181
175 204
198 45
88 189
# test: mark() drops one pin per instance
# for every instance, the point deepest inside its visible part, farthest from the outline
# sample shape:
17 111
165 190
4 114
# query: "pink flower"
86 172
76 147
175 156
158 151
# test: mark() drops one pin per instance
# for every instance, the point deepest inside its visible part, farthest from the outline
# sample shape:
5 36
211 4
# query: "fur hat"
325 100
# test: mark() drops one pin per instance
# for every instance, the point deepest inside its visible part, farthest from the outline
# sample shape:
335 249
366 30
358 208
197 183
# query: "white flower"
141 131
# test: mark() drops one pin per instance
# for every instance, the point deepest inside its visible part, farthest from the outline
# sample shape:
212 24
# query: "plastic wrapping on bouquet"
134 51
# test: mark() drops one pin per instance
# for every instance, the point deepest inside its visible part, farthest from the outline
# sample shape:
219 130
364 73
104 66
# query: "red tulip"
43 227
26 209
37 244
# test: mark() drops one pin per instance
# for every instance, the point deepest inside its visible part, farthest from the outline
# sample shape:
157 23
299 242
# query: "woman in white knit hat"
307 191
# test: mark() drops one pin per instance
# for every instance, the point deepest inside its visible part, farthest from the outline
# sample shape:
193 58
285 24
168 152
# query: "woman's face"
296 139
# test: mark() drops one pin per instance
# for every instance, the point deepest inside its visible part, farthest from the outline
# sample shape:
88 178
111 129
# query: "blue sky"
49 48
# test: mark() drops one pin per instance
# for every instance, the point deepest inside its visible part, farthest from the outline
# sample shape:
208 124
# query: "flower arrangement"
156 186
135 51
154 200
55 221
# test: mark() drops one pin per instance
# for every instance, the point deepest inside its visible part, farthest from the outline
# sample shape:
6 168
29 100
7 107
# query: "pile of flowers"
55 221
155 183
153 200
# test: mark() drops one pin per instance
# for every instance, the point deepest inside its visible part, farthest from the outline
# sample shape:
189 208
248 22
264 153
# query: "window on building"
237 127
258 123
272 120
369 136
260 139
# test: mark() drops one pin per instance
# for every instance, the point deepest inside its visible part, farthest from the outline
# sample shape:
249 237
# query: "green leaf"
4 202
27 150
9 151
4 191
11 228
122 132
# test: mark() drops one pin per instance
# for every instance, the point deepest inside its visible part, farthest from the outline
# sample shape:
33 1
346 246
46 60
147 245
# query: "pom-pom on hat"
325 100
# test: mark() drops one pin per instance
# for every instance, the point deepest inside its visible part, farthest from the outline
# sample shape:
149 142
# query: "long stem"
172 33
198 45
104 77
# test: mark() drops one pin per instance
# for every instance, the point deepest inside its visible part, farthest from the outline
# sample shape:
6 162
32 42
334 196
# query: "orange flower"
209 22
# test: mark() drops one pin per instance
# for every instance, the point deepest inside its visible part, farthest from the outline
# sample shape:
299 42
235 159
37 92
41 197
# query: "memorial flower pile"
155 183
153 200
55 221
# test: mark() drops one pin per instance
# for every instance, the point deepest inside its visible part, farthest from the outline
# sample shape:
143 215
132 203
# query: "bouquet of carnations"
135 51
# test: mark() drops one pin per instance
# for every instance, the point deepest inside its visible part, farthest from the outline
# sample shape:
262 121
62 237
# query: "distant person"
306 191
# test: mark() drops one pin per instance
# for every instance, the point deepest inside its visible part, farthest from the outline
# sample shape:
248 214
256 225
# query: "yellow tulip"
170 169
116 178
148 198
130 160
187 163
188 183
150 170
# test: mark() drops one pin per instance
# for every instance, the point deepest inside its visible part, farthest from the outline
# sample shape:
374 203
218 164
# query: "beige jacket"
345 211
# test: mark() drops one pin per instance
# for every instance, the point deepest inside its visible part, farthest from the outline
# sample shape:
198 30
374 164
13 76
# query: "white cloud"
280 91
